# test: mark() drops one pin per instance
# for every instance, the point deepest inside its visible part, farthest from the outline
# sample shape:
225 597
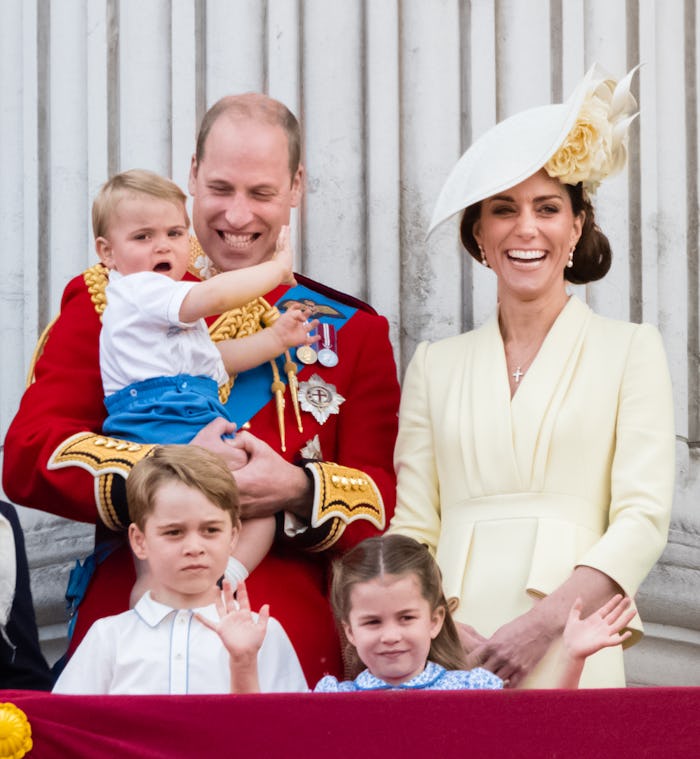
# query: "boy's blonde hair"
129 183
189 464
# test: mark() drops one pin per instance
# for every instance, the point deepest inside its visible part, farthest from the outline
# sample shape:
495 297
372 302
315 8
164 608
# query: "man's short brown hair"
191 465
256 107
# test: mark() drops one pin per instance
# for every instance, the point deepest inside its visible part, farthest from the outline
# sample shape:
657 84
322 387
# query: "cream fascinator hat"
581 140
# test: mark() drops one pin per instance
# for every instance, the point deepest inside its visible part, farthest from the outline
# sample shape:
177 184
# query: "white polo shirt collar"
153 612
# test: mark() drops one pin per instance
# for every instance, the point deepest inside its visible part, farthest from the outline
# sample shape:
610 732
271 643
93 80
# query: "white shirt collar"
153 612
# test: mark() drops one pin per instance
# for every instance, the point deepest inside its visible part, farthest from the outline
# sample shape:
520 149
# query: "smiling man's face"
242 191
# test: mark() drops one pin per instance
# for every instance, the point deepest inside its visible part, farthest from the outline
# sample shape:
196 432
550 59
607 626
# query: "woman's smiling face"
526 234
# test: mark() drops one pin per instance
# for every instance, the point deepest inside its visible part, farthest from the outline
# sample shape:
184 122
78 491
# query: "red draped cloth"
643 722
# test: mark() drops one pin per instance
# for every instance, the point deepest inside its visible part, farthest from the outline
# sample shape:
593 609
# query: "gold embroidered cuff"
103 458
343 495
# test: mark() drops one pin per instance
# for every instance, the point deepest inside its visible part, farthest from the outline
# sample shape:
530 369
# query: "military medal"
320 398
306 354
328 346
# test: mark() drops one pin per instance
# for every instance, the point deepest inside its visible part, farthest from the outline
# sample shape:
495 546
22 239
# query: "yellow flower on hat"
15 732
596 146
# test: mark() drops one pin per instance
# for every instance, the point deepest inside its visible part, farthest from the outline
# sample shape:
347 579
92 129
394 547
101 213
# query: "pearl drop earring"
483 258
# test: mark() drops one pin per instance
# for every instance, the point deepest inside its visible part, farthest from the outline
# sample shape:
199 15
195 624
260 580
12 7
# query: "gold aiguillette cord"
290 369
277 388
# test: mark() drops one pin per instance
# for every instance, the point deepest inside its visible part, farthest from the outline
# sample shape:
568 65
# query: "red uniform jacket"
56 460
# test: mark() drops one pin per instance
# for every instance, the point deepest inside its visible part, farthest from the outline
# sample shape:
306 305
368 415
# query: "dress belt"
562 507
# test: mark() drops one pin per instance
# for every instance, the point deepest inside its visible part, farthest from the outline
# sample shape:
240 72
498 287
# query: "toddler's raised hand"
583 637
292 328
285 256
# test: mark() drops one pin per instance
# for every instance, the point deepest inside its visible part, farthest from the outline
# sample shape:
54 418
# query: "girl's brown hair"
395 555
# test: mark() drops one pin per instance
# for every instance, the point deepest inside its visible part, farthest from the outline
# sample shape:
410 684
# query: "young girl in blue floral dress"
388 599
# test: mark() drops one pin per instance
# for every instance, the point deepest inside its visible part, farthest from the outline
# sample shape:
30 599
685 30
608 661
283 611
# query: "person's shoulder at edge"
624 330
448 348
90 668
86 287
80 281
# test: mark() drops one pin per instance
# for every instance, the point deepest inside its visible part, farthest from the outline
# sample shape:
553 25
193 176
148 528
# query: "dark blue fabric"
81 574
25 666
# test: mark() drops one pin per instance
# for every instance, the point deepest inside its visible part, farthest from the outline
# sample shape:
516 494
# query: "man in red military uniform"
245 179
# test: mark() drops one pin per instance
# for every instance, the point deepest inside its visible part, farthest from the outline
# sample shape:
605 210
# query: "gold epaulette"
343 495
96 279
104 458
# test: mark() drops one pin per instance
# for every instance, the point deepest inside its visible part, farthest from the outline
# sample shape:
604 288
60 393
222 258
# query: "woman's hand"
516 648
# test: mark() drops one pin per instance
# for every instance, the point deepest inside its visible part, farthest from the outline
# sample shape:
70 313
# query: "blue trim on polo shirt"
187 652
170 654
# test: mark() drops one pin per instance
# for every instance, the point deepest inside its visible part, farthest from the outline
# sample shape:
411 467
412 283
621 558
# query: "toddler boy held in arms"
161 372
185 635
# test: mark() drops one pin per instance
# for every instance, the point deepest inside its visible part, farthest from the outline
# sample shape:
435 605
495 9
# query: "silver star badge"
320 398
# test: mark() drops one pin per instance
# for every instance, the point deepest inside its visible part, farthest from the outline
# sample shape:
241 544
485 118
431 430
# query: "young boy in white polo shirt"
184 635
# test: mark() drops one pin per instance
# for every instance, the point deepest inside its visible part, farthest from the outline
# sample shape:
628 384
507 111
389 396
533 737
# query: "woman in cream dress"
535 454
